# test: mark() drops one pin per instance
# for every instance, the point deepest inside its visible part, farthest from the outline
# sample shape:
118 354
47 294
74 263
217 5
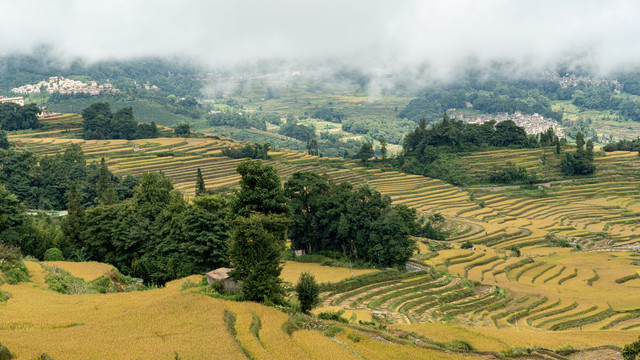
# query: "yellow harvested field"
318 346
154 324
87 271
374 349
527 337
449 333
292 270
353 316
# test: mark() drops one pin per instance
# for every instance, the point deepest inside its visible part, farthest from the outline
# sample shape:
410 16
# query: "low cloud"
426 40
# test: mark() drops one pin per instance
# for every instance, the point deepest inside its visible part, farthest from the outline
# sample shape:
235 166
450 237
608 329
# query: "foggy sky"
378 36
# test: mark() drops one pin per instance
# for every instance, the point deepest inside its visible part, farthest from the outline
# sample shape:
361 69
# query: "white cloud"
378 36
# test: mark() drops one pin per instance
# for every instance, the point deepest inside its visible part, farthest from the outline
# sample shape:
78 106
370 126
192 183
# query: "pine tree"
308 291
106 192
200 189
383 148
590 150
72 223
257 244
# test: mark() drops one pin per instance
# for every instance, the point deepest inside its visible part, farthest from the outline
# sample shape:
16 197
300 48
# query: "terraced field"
171 322
554 289
546 289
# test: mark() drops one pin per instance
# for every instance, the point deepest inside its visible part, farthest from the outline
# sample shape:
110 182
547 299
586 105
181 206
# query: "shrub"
354 337
53 254
333 315
61 281
466 245
515 250
460 346
5 354
12 267
15 275
308 291
631 351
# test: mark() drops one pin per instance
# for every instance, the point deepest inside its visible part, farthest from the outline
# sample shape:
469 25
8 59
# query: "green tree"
312 147
4 141
72 223
631 351
105 189
580 162
257 244
308 291
18 172
260 190
589 150
200 188
204 240
305 192
365 153
13 218
53 254
383 148
580 141
182 130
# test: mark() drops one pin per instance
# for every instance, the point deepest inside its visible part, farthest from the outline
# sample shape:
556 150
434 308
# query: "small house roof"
219 274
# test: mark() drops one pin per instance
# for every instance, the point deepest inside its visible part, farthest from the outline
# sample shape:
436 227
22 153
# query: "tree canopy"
100 123
360 224
17 117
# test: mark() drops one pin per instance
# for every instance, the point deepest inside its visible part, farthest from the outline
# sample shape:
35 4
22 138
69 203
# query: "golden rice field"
323 274
488 338
87 271
171 322
559 297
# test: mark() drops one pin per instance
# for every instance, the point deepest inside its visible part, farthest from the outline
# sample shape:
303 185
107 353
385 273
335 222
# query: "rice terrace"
320 180
548 302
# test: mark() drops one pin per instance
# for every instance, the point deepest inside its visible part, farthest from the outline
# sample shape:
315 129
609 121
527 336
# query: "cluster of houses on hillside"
532 124
573 80
17 100
66 86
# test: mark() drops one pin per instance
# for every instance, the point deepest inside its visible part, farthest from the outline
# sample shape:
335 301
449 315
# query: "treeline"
240 120
45 182
579 162
154 233
488 97
99 123
453 135
340 221
603 98
431 151
251 151
328 114
16 117
297 131
392 130
623 145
